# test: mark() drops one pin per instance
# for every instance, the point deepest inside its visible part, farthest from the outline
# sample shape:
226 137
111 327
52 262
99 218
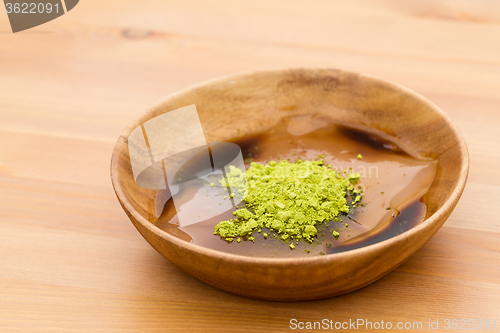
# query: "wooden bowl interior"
247 104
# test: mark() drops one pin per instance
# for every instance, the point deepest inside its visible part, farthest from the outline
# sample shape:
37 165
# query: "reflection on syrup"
393 182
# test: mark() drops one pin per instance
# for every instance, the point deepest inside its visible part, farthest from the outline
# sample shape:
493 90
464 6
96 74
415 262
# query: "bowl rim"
448 205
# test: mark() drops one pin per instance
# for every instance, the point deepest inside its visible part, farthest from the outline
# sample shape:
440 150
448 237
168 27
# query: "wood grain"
252 103
71 261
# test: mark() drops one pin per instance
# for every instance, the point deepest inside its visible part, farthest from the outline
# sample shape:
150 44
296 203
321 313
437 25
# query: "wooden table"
70 258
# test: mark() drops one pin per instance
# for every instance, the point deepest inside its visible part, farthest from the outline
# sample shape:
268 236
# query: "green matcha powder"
290 199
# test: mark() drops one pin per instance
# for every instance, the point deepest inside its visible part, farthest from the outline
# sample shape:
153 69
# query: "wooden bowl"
253 102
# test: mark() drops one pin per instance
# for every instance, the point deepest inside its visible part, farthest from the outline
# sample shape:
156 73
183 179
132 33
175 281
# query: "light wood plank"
71 261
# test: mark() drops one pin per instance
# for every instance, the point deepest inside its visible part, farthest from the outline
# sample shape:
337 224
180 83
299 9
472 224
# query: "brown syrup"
393 182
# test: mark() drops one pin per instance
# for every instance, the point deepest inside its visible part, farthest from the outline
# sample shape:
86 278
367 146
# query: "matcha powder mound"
291 199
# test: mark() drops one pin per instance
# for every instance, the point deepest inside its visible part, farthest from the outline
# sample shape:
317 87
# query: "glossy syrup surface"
393 183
